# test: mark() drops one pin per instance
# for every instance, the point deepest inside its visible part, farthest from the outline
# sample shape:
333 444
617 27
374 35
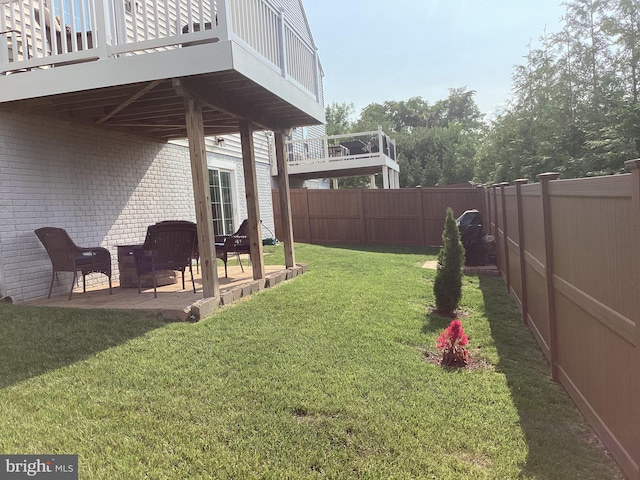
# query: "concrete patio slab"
489 270
173 303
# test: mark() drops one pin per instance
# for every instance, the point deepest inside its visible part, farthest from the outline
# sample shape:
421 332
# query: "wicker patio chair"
66 256
167 246
233 245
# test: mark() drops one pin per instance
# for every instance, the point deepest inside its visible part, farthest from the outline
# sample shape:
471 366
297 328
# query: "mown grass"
322 377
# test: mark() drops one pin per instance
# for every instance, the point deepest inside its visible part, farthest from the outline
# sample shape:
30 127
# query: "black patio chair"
66 256
233 245
167 246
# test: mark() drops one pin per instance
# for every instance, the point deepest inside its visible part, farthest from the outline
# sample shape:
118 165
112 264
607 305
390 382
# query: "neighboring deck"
363 153
126 68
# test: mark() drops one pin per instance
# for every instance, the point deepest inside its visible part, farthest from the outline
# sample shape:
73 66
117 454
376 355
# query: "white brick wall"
103 188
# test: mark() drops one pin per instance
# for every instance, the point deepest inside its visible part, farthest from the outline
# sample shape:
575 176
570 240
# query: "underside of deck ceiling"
156 109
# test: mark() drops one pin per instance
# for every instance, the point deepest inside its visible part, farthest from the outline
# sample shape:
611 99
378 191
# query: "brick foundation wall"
103 188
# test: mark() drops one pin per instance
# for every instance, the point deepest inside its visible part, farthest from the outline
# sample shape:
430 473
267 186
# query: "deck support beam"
202 196
385 177
251 193
285 201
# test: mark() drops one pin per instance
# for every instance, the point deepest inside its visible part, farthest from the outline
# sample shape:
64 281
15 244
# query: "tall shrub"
447 286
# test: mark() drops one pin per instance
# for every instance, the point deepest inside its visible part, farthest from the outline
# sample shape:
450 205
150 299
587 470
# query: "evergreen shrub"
447 286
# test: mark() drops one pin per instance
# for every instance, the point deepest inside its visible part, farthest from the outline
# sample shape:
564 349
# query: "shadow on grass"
402 249
35 340
560 442
435 323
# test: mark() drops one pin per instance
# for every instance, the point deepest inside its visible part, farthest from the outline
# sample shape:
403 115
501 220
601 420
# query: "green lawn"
322 377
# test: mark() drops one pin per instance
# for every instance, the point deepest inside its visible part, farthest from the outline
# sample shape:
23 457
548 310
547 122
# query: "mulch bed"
475 363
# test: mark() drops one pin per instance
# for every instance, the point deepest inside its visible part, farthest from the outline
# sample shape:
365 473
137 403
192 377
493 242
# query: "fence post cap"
548 176
495 185
504 184
521 181
632 164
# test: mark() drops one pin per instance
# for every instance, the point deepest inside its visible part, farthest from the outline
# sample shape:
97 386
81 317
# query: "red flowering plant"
452 342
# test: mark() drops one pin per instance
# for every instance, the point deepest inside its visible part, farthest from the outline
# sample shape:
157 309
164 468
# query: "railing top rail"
274 9
107 30
294 30
346 135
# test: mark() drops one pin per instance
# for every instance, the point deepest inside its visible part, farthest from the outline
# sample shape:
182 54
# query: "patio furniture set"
169 246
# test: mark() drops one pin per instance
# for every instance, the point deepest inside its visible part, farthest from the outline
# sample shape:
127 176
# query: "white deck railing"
46 33
340 148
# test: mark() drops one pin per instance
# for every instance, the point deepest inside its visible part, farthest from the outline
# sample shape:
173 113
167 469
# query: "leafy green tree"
396 117
575 103
436 143
447 285
459 108
339 118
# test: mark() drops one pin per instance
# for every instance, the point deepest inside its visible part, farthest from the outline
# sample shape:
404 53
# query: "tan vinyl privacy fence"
407 216
569 251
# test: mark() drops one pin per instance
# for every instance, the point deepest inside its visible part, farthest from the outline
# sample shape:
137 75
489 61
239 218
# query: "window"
76 13
221 201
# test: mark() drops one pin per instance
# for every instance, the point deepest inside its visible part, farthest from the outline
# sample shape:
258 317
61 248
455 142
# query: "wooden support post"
634 167
307 214
545 178
420 214
202 197
251 193
286 221
505 237
522 252
496 226
483 206
362 220
487 192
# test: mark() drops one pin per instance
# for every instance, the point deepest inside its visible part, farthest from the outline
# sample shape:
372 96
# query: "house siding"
296 15
104 188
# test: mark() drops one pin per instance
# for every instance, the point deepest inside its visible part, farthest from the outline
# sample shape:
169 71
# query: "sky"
378 50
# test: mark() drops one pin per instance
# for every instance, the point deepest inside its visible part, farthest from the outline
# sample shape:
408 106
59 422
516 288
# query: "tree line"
574 109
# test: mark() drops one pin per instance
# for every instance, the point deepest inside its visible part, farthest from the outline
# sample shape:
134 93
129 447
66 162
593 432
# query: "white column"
385 177
282 42
372 182
103 14
224 20
334 183
119 28
4 47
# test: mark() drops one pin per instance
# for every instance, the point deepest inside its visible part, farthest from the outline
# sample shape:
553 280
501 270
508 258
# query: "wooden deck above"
134 82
